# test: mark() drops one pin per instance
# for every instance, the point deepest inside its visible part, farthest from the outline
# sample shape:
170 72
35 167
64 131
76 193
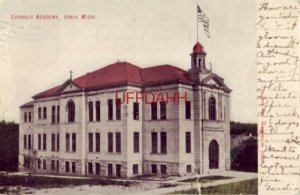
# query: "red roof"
198 48
124 73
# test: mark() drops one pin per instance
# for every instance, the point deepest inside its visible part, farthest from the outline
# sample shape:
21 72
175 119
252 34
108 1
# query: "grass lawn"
206 179
243 187
52 182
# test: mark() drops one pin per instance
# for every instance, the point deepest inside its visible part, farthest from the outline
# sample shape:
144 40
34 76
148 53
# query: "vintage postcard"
149 97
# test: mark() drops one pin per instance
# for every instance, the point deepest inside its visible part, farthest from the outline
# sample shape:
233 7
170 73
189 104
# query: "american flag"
202 17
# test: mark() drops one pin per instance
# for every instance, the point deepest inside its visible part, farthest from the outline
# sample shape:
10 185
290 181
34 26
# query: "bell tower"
198 66
198 58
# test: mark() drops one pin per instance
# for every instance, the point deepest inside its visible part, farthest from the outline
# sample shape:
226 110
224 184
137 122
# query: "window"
110 169
154 142
154 111
110 142
90 142
52 165
118 109
188 142
29 142
163 110
27 161
163 169
67 142
163 144
199 62
57 142
25 141
29 116
39 163
118 142
91 111
39 141
97 110
44 164
97 168
136 111
90 168
44 112
57 115
187 110
97 142
40 113
53 114
52 142
71 111
153 168
25 117
135 169
73 167
74 142
118 170
44 141
212 108
67 164
136 142
110 109
57 165
188 168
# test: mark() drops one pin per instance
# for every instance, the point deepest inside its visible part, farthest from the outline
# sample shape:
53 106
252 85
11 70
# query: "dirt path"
141 187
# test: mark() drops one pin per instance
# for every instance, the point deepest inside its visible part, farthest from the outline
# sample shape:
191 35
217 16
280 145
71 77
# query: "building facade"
124 121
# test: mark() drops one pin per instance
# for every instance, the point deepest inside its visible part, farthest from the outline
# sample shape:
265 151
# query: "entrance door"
213 155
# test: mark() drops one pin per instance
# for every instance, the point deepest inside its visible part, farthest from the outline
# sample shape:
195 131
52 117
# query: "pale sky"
38 54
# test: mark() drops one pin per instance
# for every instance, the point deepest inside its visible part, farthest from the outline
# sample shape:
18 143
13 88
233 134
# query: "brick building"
82 128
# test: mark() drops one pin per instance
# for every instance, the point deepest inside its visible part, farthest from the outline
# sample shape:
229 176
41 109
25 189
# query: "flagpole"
197 21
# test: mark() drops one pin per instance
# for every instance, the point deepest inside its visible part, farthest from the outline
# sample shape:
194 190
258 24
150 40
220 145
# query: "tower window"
199 62
212 108
188 142
136 142
136 111
187 110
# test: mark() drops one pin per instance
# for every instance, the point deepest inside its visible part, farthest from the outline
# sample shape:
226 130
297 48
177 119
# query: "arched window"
199 62
71 111
212 108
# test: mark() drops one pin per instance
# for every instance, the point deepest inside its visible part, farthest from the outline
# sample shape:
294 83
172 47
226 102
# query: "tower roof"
198 48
